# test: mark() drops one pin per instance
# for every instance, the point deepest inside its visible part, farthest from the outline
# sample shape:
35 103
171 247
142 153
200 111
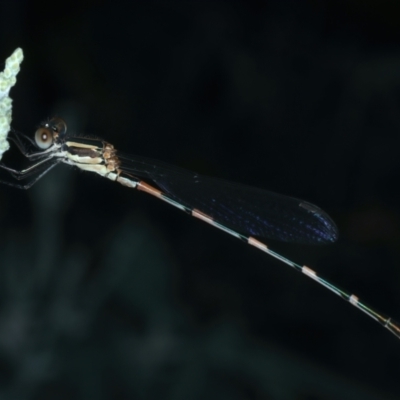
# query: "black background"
107 293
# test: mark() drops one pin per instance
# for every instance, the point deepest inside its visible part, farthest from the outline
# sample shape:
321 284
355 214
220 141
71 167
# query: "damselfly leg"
44 161
37 170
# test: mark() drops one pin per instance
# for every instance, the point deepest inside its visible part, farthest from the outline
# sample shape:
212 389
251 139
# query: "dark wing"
245 209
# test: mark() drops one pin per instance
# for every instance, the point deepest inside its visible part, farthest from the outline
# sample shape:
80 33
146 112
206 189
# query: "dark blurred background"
108 293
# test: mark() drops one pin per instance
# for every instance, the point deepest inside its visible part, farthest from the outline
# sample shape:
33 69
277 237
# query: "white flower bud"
7 81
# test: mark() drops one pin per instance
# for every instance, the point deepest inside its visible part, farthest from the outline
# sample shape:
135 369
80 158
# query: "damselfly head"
49 132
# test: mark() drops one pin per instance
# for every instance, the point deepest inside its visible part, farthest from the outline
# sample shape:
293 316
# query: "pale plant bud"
8 78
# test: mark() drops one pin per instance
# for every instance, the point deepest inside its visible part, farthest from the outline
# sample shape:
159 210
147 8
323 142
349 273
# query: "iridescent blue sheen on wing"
245 209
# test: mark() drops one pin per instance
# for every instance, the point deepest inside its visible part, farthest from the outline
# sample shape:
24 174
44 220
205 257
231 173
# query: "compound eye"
58 125
44 138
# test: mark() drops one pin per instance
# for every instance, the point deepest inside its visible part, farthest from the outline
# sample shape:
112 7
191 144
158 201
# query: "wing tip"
329 232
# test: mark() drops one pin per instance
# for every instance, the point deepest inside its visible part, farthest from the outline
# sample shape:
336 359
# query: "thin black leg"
33 181
21 174
22 146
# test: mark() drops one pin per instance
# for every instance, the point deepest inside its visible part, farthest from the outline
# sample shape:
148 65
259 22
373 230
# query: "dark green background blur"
107 293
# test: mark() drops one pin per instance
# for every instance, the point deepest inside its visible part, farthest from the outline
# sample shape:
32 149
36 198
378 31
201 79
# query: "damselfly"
244 212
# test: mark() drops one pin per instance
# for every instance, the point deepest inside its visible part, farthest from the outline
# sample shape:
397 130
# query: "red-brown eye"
44 138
